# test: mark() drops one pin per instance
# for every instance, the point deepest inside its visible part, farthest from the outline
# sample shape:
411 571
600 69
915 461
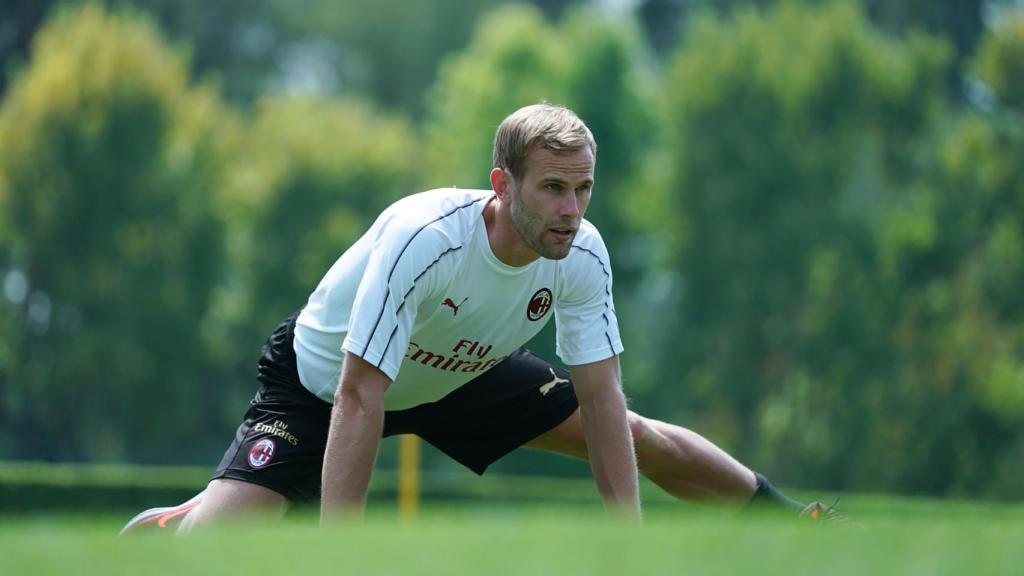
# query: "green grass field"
903 537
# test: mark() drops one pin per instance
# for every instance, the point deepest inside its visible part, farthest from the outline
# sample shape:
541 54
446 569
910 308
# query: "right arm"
400 272
357 422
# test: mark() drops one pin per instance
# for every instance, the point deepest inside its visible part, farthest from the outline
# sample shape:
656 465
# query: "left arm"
606 428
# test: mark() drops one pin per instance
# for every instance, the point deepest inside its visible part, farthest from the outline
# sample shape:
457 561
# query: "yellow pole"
408 476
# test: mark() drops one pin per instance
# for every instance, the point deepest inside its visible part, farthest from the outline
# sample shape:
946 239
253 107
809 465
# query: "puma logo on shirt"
455 307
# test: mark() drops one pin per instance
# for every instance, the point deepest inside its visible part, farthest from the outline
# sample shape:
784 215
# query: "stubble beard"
531 230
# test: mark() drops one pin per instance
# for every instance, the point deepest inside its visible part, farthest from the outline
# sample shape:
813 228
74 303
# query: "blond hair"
546 125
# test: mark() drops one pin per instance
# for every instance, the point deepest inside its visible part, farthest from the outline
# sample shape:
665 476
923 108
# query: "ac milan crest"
539 305
261 453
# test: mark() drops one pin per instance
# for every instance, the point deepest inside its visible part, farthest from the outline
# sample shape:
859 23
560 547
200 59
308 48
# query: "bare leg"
680 461
226 498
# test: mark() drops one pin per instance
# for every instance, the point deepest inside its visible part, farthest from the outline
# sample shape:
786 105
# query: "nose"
570 207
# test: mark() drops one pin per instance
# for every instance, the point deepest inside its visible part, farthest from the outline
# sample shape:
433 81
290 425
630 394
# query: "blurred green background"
815 212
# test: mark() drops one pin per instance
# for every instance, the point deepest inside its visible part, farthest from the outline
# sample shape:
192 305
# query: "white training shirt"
422 297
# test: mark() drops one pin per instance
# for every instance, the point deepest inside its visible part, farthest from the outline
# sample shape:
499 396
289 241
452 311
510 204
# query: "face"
550 200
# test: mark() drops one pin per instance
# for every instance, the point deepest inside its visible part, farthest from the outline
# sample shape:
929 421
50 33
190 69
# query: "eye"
553 186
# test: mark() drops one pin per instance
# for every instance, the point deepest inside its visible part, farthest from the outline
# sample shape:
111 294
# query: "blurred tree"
238 43
108 160
971 334
937 297
795 127
386 51
1000 62
662 20
961 23
390 50
235 41
19 21
308 181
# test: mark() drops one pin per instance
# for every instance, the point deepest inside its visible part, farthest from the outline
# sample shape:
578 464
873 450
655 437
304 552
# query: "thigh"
225 498
567 438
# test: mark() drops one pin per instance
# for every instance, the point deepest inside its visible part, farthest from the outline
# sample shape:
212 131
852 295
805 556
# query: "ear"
501 183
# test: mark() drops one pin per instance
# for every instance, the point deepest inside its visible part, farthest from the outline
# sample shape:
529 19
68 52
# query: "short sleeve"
588 330
399 275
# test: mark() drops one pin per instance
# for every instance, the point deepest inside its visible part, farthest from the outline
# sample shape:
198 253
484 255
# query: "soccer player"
418 328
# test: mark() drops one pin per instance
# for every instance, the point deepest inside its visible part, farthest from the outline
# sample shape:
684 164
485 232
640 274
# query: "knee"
640 428
644 443
657 445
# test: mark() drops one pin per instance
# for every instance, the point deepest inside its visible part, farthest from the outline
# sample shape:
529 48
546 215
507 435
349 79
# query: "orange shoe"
161 518
821 512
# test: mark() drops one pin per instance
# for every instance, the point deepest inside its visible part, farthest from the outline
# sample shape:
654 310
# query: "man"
418 328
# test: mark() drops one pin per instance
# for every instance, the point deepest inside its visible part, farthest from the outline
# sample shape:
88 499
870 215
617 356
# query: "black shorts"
280 443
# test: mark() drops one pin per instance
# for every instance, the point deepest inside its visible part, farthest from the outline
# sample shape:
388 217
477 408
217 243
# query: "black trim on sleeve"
607 291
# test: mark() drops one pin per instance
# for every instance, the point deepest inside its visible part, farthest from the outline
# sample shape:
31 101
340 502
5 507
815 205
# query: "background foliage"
815 209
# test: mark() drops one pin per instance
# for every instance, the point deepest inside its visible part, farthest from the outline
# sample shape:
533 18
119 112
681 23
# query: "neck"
505 242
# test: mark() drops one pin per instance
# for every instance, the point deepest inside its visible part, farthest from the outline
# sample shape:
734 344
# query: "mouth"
563 234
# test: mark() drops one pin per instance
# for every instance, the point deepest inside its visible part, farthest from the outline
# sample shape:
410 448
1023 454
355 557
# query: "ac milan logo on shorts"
539 305
261 453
